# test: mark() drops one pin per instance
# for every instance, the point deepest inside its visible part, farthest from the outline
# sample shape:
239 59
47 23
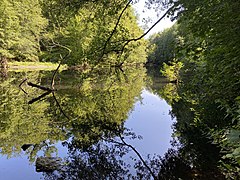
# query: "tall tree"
210 52
97 33
163 46
209 34
21 24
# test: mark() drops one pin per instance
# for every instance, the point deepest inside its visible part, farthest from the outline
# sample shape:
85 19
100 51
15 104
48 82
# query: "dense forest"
93 31
199 54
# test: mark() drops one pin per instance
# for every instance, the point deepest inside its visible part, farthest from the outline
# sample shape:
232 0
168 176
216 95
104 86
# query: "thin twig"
20 86
139 155
58 104
62 58
144 34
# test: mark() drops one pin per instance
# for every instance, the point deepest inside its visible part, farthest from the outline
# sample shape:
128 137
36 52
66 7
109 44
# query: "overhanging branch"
114 29
127 41
144 34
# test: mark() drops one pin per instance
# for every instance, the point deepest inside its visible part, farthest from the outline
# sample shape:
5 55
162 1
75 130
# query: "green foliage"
196 156
96 107
21 25
210 55
21 123
100 104
208 46
87 32
219 41
169 93
162 87
172 71
163 46
92 31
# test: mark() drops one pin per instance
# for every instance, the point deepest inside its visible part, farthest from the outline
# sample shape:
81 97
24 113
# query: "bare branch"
139 155
126 42
144 34
62 58
54 75
20 86
115 28
39 97
39 87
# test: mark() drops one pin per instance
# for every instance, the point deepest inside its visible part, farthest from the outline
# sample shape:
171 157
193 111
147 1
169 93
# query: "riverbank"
33 66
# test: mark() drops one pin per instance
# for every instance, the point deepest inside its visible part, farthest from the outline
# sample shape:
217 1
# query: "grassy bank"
32 66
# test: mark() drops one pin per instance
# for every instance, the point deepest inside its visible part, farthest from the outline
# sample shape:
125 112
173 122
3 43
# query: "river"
108 121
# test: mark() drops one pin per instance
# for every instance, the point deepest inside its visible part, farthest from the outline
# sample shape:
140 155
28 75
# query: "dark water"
109 124
102 121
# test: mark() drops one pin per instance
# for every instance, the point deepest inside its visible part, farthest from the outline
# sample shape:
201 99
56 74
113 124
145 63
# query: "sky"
165 23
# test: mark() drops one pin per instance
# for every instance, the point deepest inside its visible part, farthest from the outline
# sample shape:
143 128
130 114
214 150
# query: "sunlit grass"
34 66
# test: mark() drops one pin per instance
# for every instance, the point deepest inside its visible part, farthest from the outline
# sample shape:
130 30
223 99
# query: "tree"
172 71
21 25
99 106
209 39
163 47
95 34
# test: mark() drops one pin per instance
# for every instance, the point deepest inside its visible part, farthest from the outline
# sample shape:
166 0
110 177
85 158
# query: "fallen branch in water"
40 87
48 90
20 86
39 97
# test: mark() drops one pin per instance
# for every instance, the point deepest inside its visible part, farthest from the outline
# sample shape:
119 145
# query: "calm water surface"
87 111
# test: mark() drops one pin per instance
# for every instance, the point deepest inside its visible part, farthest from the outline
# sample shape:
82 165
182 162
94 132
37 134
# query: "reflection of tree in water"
173 166
197 157
104 160
23 124
100 103
96 108
3 73
178 165
3 68
99 111
98 161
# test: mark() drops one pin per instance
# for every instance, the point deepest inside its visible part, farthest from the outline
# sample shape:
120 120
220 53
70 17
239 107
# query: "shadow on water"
87 113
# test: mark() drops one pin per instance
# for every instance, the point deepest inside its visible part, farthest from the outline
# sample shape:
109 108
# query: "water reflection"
194 154
106 124
96 106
